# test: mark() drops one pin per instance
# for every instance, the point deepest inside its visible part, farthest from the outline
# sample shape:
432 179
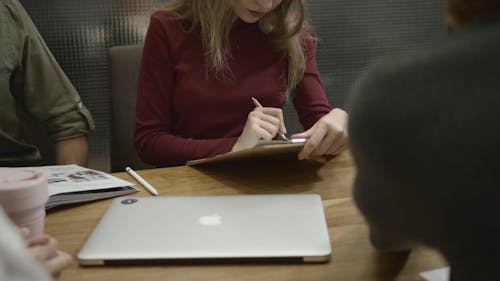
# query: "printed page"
73 178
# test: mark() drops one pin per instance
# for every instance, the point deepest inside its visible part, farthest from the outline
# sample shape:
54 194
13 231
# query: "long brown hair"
215 18
460 12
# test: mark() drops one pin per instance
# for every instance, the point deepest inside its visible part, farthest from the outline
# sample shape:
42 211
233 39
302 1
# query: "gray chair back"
124 65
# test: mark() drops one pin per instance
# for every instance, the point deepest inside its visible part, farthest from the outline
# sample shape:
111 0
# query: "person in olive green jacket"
32 81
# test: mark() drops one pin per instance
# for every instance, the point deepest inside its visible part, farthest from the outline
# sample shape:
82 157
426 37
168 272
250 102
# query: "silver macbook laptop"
193 229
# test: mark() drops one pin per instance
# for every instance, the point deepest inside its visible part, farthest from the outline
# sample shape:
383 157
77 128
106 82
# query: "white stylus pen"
142 181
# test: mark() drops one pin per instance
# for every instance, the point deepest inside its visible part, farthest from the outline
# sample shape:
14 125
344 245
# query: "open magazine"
70 184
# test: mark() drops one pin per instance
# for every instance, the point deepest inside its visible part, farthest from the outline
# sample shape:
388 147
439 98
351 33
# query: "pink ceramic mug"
23 194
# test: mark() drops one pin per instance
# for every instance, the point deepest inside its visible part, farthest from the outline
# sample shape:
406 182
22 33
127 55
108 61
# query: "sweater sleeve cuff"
74 123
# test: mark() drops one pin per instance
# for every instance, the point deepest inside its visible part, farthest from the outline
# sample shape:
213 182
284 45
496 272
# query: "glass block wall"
350 33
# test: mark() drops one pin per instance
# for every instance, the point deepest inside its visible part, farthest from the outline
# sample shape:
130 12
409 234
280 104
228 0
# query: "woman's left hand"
328 136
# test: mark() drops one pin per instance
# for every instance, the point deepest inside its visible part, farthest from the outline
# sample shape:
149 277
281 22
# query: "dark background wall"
351 33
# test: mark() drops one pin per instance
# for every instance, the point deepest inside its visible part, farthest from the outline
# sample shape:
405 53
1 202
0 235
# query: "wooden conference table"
353 258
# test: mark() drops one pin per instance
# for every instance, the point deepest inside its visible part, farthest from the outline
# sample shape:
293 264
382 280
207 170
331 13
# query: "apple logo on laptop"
210 220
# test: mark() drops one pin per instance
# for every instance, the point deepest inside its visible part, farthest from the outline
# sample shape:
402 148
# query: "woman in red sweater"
204 60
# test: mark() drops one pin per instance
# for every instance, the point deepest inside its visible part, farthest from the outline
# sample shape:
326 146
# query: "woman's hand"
45 250
263 123
327 137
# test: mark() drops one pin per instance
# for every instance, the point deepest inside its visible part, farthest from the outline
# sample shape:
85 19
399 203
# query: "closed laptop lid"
285 227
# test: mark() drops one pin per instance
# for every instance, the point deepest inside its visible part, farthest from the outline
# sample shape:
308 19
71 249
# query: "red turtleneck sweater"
183 113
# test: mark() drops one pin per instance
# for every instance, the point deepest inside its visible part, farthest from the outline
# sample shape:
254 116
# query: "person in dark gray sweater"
425 137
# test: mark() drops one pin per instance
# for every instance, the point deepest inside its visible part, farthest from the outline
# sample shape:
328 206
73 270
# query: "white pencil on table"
142 181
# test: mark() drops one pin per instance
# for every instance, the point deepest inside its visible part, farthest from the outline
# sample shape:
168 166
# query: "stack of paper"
70 184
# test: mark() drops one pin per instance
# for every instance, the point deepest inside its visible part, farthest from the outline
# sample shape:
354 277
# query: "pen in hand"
142 181
257 104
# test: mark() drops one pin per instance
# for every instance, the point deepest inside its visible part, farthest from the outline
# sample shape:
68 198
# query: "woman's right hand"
263 123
